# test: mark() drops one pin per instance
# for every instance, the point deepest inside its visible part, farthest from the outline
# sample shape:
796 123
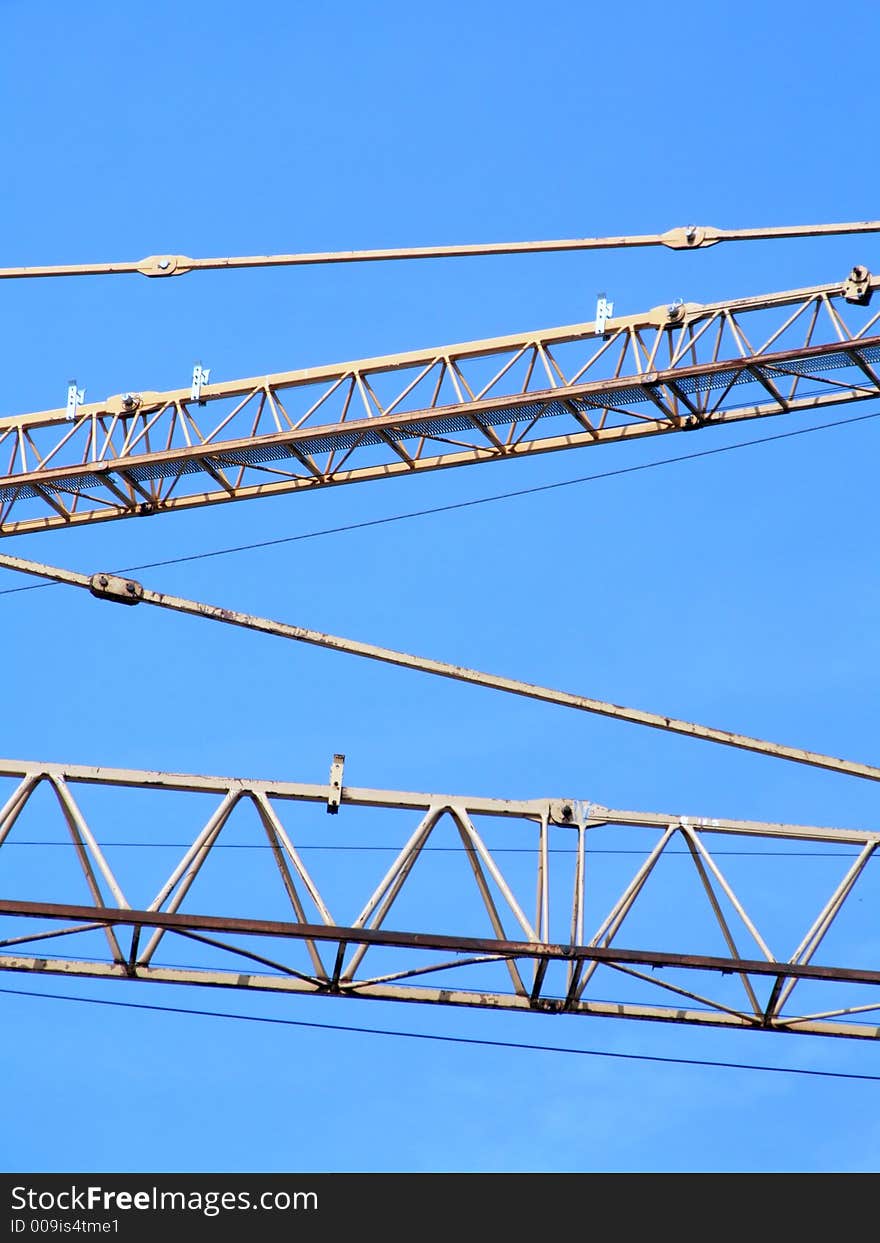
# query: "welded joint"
335 796
112 587
565 811
575 812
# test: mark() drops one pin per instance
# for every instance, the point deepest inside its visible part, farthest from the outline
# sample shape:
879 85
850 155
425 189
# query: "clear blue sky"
738 590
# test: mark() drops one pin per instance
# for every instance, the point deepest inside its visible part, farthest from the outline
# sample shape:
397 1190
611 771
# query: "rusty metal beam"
128 591
101 916
561 812
471 999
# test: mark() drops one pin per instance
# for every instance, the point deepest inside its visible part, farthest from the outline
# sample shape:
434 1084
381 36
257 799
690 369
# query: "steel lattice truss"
555 897
672 369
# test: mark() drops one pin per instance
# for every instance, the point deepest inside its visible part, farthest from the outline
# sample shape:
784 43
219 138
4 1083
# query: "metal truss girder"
145 453
409 955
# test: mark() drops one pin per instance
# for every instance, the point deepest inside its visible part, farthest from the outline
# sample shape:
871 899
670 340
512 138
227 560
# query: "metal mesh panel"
531 406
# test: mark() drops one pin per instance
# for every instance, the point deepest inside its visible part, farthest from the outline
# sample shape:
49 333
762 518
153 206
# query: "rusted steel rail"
688 237
130 592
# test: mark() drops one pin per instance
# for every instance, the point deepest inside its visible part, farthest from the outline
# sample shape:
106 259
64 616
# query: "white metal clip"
201 375
604 311
75 398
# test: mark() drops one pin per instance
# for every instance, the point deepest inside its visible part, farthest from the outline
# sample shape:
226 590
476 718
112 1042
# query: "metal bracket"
857 287
604 311
575 812
111 587
165 265
335 796
130 403
75 398
200 377
564 811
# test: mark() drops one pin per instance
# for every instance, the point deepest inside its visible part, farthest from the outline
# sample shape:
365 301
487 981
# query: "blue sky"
737 590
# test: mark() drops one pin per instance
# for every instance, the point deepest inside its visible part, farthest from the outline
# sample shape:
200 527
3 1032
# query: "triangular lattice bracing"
255 896
669 369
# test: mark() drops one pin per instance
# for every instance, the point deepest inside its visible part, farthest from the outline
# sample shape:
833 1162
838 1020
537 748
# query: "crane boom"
675 368
479 944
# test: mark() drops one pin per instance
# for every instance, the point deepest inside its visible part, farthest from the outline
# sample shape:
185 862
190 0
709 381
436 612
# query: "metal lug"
857 287
111 587
165 265
563 811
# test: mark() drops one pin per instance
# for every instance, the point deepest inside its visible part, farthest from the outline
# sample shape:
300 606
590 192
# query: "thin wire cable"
462 1040
482 500
498 850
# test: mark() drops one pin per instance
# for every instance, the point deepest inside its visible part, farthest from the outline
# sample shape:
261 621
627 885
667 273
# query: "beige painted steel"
615 917
492 892
813 938
689 237
698 848
580 812
475 456
439 668
657 317
541 813
246 982
141 453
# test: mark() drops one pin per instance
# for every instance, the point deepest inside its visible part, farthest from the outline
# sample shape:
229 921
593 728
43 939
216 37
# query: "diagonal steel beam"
127 591
687 237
